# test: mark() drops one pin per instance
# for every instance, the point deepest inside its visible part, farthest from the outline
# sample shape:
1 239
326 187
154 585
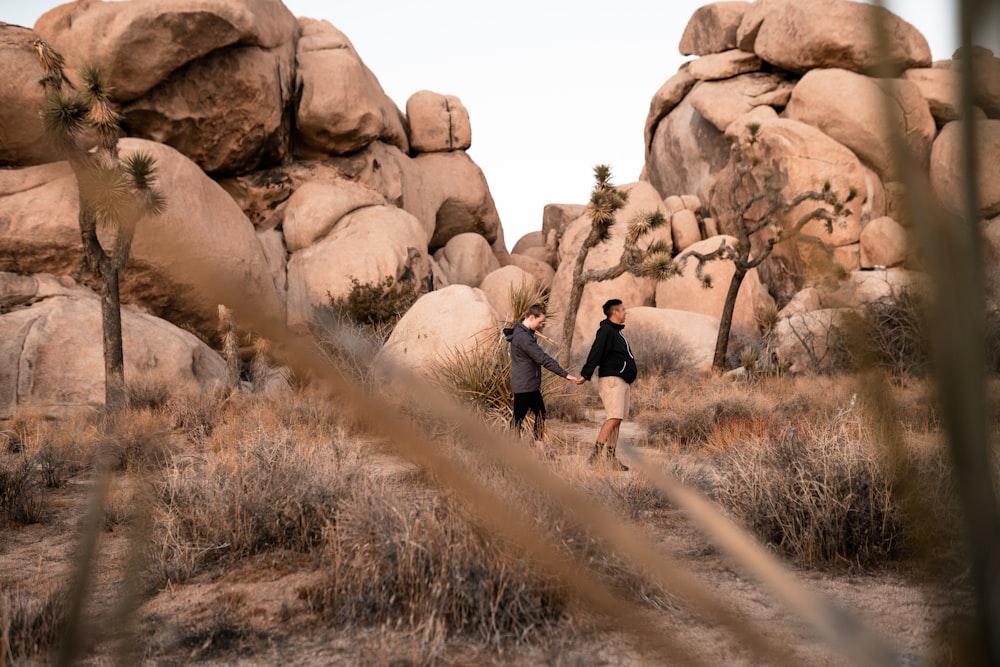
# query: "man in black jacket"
612 356
526 361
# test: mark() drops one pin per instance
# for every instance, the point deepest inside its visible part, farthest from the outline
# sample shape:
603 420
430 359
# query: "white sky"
553 87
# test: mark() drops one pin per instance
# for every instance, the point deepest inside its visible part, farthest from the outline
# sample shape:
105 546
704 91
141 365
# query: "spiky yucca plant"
654 262
115 192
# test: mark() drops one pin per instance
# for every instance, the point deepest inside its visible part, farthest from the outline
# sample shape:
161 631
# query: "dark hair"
609 305
535 310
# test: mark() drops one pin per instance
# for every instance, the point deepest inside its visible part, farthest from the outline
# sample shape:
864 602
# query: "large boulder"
687 337
202 251
452 320
947 169
22 137
315 207
724 65
51 352
866 287
137 45
668 96
555 219
800 35
264 194
446 191
811 341
530 240
712 28
807 159
687 292
939 86
880 110
367 245
437 122
499 284
537 268
342 107
723 102
634 291
466 259
884 242
227 123
986 70
452 197
684 152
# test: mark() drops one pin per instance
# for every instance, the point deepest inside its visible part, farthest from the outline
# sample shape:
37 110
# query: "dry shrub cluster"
269 476
421 566
803 465
30 624
221 479
819 493
290 475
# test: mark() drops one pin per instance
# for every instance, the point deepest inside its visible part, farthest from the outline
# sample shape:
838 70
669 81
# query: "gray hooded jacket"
527 359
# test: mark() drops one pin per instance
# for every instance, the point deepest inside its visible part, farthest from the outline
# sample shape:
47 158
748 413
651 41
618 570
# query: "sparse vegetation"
378 305
889 333
244 477
31 623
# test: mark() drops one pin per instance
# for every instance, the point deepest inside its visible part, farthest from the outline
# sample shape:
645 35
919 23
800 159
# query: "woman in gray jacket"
526 361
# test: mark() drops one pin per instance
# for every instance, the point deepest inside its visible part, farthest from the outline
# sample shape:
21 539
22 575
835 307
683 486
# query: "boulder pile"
289 174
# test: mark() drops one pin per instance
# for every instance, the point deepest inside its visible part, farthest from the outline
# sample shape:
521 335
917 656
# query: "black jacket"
611 354
527 359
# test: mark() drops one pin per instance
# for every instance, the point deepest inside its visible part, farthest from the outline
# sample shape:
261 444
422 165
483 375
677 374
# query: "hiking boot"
613 461
595 455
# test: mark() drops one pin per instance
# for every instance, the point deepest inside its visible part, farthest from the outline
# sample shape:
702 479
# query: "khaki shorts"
614 393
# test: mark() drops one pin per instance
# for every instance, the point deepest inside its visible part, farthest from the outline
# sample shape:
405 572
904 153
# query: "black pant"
531 400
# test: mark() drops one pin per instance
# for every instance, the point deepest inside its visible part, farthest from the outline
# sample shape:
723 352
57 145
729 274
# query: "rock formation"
289 173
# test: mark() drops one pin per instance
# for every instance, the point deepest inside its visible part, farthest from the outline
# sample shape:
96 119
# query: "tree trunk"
575 297
114 356
111 313
726 321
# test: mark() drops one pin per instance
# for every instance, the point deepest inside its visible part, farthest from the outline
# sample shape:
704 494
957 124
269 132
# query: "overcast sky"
553 87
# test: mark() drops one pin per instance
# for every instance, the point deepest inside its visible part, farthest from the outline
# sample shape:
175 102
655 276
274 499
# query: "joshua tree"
757 204
115 192
655 261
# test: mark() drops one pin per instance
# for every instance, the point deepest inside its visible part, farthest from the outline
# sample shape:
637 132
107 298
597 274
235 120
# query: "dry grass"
31 623
799 463
219 481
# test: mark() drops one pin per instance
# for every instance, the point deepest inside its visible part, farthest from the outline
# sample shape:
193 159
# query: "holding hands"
575 380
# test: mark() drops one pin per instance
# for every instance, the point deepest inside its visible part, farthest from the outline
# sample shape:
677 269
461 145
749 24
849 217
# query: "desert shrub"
393 562
820 492
889 333
377 305
29 625
479 376
259 488
21 500
195 412
347 344
151 392
227 630
660 355
689 423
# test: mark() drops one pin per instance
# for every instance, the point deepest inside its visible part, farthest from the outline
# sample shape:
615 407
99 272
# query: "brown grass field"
253 529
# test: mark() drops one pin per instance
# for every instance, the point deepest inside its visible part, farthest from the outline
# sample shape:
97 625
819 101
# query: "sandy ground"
253 616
